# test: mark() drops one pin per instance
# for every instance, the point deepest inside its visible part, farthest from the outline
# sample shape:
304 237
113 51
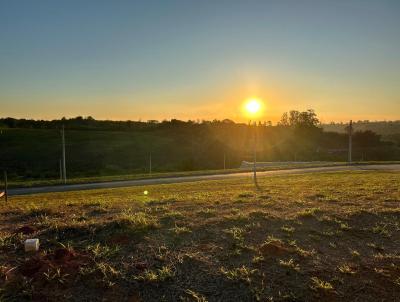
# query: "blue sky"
199 59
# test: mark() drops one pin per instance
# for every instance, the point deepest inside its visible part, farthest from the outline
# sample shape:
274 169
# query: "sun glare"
253 106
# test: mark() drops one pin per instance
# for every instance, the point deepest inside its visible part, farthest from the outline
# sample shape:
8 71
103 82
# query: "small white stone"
31 245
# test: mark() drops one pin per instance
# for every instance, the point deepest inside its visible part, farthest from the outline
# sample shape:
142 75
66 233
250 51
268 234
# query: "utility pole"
64 168
150 164
255 156
350 140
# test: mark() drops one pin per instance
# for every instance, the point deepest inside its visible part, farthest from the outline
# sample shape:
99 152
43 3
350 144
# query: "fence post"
5 186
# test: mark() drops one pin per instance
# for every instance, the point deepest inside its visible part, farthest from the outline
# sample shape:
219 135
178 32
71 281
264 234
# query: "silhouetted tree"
299 119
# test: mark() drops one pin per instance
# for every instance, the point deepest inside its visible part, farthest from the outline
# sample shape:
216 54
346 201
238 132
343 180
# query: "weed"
138 220
382 271
288 229
237 233
165 273
10 241
257 259
355 253
344 226
272 238
34 212
100 251
381 229
239 274
207 212
346 269
105 271
180 230
159 275
320 284
305 253
239 217
289 264
387 256
311 212
148 276
376 247
45 221
195 296
174 214
101 204
55 275
328 233
161 253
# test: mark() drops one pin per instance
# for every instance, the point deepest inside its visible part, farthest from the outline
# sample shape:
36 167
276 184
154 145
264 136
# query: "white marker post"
31 245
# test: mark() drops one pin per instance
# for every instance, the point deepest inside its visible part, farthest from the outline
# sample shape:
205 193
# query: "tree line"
32 148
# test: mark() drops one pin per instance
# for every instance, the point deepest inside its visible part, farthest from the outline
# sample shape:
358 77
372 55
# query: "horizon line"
197 121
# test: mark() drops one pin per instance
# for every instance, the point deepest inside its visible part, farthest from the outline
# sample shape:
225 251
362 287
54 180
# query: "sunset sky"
199 59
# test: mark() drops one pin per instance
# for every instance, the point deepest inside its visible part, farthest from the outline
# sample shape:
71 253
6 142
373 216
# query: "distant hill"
389 130
380 127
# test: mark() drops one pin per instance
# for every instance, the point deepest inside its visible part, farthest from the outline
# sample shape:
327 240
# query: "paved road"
169 180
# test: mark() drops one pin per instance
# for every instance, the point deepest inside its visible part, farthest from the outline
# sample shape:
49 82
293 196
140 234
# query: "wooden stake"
5 186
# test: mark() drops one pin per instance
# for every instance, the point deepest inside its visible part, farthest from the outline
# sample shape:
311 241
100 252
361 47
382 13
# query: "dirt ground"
313 237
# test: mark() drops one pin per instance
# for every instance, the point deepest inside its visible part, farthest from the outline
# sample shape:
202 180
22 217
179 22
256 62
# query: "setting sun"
253 106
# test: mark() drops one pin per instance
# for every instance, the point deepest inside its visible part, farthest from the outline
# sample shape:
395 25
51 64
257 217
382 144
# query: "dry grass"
313 237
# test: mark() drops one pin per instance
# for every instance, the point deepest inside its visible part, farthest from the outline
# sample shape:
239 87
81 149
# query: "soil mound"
274 248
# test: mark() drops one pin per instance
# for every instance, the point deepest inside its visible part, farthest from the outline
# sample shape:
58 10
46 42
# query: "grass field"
107 178
33 156
79 180
313 237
